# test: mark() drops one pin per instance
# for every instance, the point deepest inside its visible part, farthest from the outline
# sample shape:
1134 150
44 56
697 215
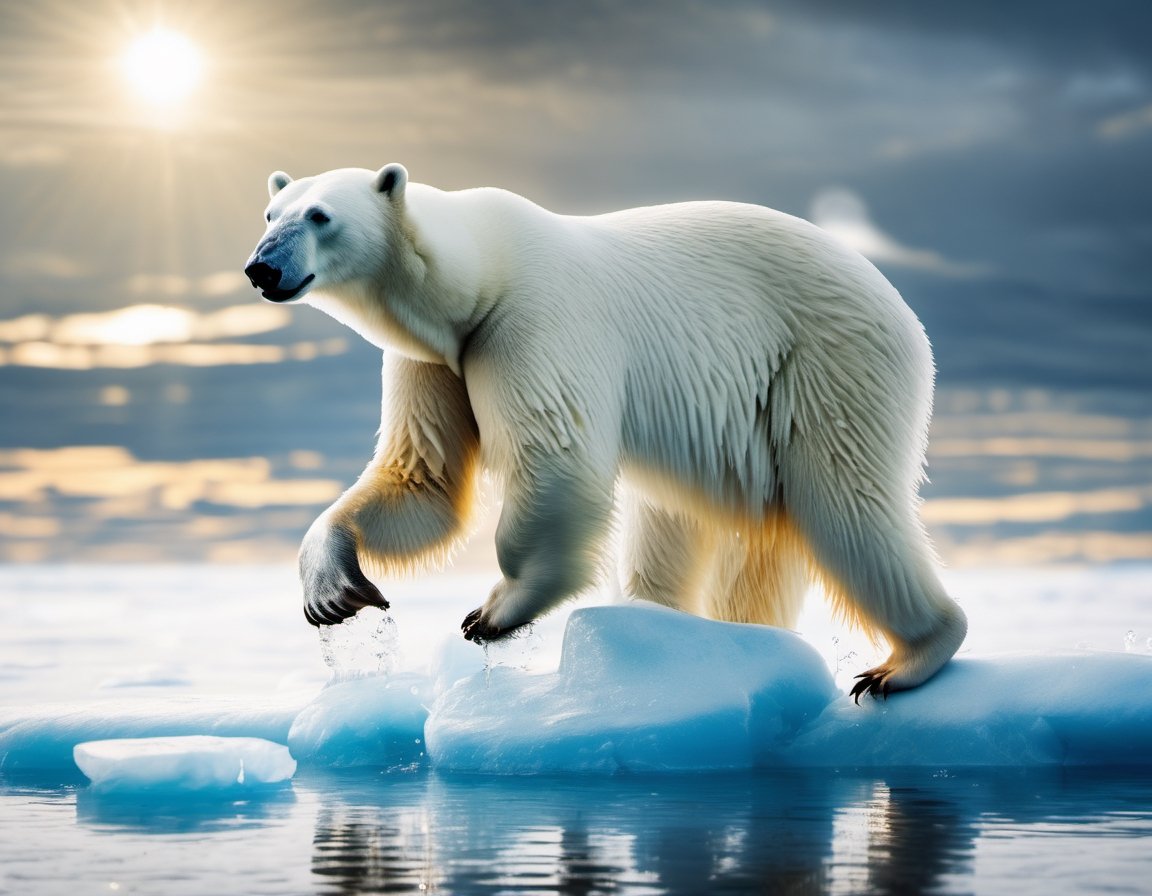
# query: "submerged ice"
638 688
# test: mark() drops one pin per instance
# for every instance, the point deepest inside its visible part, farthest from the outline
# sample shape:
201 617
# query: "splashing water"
516 651
1130 641
363 645
841 661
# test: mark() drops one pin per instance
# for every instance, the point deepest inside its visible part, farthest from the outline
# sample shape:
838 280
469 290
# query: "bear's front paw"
476 629
328 602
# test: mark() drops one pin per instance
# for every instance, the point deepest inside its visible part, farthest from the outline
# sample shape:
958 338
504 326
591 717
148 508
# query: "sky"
992 159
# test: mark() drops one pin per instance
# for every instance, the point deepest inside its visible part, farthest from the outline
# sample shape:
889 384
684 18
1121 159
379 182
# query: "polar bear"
756 394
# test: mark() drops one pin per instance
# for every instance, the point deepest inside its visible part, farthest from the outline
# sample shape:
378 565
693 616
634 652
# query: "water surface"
376 832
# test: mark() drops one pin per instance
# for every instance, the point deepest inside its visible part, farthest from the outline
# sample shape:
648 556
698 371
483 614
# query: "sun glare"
163 67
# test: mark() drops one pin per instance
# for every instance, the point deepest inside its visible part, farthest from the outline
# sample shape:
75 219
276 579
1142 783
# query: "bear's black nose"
263 276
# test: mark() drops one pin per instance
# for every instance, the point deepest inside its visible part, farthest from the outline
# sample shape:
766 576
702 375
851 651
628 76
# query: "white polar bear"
759 392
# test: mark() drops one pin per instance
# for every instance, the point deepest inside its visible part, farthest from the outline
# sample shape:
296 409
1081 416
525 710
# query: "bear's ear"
277 181
391 180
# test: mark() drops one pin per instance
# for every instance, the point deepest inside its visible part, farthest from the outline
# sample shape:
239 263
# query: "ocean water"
148 637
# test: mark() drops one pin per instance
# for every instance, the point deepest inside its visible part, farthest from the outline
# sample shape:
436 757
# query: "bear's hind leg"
667 556
876 563
762 575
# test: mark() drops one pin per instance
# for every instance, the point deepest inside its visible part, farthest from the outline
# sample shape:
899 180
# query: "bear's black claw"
480 632
344 604
873 682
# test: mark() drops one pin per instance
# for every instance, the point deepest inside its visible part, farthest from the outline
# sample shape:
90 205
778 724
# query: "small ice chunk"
369 721
362 645
188 763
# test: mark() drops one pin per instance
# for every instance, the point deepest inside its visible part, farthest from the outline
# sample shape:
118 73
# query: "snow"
197 763
600 689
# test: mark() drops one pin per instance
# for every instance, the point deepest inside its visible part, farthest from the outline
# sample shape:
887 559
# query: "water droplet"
362 645
1129 640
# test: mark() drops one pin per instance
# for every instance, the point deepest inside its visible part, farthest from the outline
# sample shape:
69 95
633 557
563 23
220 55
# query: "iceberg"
364 722
41 738
639 688
1071 708
195 763
644 688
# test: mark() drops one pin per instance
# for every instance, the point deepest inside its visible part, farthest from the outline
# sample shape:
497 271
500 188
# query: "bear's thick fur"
758 393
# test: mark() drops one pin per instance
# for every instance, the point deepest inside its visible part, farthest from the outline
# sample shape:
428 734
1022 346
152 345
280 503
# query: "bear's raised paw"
342 602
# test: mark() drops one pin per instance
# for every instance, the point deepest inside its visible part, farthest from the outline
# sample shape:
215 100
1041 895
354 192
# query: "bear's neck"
429 295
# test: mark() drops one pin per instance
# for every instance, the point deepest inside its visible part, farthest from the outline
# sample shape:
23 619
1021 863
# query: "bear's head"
326 231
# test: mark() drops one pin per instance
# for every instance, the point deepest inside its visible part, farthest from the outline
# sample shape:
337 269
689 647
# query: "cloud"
104 504
222 283
1038 507
1113 450
135 325
30 476
33 154
27 328
142 335
1045 548
153 324
168 286
844 215
189 354
172 286
1127 124
47 265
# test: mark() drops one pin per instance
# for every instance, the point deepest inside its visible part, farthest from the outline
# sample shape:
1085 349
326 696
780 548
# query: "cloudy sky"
991 158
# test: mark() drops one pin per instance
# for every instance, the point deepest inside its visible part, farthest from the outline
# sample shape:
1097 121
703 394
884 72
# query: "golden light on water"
163 67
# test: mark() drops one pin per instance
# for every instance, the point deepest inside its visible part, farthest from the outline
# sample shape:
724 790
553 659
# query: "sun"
163 67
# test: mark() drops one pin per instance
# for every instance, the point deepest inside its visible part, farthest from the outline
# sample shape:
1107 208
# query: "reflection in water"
771 834
916 839
182 814
794 833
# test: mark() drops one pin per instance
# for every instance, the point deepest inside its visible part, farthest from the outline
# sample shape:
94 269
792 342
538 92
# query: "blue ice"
644 688
189 763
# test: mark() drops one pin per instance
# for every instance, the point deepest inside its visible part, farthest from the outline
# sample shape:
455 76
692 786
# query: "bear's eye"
318 217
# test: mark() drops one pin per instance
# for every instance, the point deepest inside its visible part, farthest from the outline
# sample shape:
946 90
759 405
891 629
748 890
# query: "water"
84 634
422 832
